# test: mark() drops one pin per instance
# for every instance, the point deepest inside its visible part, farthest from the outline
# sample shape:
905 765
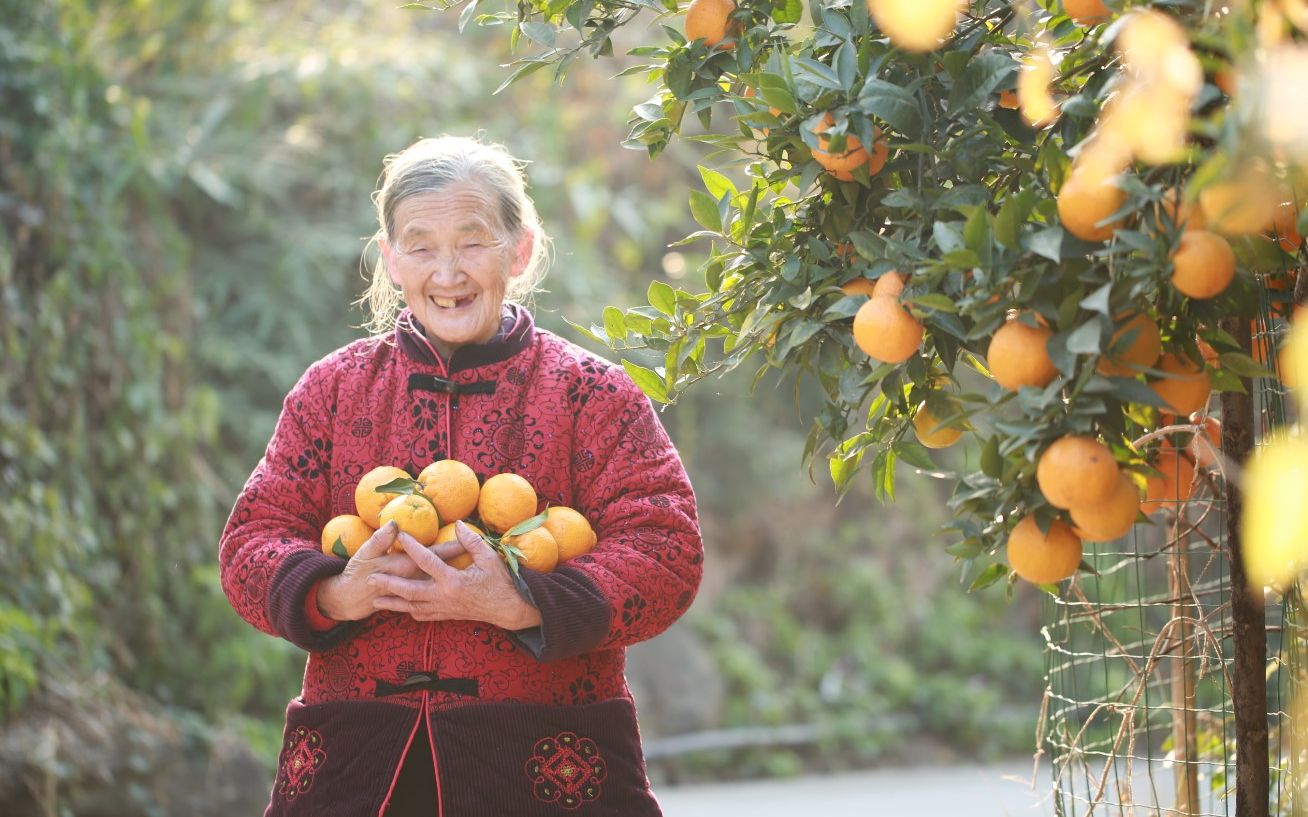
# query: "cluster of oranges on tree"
448 491
1076 201
1094 482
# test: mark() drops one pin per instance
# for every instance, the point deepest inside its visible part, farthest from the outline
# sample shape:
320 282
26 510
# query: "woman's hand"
349 596
483 591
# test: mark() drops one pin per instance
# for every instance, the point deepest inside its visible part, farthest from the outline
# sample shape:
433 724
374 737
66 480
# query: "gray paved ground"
953 791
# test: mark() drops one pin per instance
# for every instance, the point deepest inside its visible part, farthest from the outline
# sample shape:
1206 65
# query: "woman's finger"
410 589
480 549
393 603
428 562
377 544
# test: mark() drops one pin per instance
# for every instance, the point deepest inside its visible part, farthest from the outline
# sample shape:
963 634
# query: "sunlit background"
184 200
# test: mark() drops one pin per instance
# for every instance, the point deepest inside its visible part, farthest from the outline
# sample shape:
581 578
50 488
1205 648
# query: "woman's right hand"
348 596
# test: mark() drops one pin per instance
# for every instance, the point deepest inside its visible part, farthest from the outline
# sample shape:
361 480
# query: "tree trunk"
1248 617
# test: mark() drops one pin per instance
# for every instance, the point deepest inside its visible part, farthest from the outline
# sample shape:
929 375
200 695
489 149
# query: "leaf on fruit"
527 525
400 485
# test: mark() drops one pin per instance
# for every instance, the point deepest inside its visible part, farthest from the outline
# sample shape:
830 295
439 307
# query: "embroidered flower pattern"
302 756
566 770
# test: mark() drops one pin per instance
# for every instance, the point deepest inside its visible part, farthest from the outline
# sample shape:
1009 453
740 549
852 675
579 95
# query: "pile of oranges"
448 491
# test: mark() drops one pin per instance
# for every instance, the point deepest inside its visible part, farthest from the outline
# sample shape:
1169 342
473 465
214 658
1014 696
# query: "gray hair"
431 166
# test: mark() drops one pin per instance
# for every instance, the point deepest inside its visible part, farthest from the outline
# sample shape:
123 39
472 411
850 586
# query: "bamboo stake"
1184 738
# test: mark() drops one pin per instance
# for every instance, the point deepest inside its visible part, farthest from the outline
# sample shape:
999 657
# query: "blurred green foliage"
184 197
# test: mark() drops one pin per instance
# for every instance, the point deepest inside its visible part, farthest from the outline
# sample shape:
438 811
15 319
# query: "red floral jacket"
531 723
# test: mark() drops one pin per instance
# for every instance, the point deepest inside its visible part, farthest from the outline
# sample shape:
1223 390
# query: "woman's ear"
388 255
522 253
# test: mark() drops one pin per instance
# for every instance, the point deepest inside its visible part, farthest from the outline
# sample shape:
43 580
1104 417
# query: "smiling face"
449 258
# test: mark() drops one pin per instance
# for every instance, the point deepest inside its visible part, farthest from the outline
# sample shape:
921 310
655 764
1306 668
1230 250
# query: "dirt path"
951 791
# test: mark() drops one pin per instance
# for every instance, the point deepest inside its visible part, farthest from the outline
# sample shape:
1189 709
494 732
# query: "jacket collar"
517 331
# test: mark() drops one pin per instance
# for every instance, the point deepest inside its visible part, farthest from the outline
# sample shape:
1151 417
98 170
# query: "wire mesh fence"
1138 716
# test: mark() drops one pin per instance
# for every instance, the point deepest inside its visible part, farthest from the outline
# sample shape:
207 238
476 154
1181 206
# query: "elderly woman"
431 690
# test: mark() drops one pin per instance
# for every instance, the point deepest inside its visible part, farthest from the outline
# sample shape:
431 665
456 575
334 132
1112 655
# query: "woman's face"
445 255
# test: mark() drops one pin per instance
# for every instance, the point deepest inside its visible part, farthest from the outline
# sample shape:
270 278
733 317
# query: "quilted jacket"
538 722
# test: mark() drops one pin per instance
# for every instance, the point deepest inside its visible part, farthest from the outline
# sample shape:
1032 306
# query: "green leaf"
648 380
893 104
947 235
1013 213
1243 365
992 462
787 11
512 556
817 73
914 453
1086 339
982 76
527 525
338 549
1048 243
615 325
989 576
776 93
400 485
662 297
934 300
716 184
1097 301
704 208
976 231
543 33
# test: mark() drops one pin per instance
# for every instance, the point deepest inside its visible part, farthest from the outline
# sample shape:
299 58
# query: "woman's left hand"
483 591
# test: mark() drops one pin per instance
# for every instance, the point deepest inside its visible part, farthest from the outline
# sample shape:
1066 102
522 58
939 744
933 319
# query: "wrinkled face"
452 266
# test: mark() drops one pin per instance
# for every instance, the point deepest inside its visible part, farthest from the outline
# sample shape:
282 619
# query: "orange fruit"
1008 99
1114 517
710 21
539 550
1125 359
916 25
884 330
1086 199
1205 447
1017 356
506 500
367 501
1284 227
1034 98
841 165
859 286
452 487
447 534
1211 357
1203 264
889 284
1181 213
572 531
929 431
1226 80
1174 484
1087 12
1043 558
1244 206
348 531
1076 471
1187 390
414 515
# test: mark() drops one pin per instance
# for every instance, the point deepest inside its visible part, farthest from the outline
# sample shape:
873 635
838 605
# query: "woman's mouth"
452 303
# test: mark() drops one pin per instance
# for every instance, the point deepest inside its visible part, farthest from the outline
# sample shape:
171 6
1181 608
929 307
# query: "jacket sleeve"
645 569
269 553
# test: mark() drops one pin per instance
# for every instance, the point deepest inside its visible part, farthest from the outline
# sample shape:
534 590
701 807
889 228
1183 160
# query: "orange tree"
1072 197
